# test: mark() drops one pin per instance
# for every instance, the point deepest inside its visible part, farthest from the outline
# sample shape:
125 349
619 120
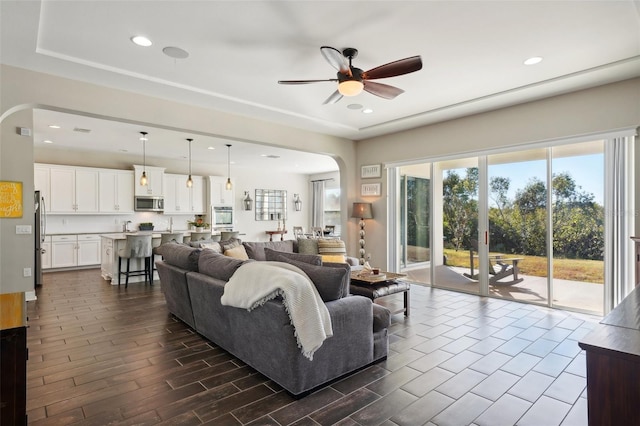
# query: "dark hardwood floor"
102 354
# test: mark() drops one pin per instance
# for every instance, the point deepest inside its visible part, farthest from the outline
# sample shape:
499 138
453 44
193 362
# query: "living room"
579 112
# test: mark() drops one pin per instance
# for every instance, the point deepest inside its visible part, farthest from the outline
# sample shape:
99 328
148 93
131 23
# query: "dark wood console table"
613 366
272 233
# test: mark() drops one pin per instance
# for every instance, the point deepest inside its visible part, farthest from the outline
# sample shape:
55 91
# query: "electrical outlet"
23 229
26 272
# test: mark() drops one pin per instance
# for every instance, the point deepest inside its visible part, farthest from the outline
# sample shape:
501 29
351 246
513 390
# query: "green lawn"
567 269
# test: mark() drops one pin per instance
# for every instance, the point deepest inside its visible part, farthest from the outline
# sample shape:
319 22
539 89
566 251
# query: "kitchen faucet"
125 226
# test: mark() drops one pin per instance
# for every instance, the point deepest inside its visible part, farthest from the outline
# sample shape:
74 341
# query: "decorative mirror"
271 204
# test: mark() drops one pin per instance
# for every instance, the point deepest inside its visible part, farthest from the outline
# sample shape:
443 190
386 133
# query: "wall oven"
222 216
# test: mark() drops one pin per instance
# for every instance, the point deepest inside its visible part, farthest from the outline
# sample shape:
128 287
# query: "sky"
587 172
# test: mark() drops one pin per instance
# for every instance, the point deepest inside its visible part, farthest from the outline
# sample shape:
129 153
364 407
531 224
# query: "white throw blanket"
254 283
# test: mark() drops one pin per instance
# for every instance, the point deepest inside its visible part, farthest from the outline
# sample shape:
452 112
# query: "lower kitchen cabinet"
45 247
68 251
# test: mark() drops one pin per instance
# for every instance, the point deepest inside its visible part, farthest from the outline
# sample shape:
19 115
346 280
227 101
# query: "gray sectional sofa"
193 281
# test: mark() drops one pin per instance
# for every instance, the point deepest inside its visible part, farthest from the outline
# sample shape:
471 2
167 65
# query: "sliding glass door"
525 225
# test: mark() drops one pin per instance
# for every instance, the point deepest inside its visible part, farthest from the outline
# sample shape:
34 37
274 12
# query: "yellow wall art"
10 199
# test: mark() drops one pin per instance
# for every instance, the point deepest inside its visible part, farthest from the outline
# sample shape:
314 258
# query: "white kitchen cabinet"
64 252
116 191
71 250
73 190
42 183
107 258
45 247
219 195
155 179
197 195
179 198
88 250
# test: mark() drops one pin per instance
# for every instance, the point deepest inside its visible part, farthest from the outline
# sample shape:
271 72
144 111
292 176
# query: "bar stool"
199 236
167 237
137 247
227 235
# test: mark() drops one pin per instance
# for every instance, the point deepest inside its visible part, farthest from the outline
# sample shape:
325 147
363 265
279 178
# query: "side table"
375 286
272 233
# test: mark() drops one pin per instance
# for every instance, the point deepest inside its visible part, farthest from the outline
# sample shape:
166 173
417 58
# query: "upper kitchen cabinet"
178 198
155 181
42 183
219 195
116 191
73 190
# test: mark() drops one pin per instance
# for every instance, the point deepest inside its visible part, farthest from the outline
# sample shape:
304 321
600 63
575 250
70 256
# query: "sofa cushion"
332 250
217 265
237 252
255 250
200 243
307 246
180 255
330 282
312 259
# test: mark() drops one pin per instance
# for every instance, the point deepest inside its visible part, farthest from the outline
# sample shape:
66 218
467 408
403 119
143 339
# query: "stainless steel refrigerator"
40 230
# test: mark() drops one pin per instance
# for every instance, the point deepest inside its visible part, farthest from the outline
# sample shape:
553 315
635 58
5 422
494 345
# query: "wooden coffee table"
381 285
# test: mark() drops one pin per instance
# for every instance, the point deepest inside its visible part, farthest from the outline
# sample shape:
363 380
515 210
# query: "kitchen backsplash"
78 224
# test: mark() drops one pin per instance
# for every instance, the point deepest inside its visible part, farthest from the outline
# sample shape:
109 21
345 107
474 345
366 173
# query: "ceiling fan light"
350 87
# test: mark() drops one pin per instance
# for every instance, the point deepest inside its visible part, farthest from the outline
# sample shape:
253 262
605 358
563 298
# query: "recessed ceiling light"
47 141
175 52
141 41
123 150
54 126
354 106
269 156
533 60
210 147
367 111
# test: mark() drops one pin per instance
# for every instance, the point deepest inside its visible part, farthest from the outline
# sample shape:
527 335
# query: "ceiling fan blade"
392 69
382 90
336 59
335 97
305 81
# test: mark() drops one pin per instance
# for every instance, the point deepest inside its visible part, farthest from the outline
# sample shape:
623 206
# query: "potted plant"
145 226
198 223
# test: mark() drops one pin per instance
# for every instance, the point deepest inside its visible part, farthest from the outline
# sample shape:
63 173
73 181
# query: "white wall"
586 112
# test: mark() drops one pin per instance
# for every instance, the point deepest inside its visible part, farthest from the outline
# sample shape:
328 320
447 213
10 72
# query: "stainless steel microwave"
149 204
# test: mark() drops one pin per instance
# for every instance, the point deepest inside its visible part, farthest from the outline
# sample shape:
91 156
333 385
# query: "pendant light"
143 178
189 180
228 186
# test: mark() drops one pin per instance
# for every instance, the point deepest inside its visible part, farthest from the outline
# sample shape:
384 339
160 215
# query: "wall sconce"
247 202
297 202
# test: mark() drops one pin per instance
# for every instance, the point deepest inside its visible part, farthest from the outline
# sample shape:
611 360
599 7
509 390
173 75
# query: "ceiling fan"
352 81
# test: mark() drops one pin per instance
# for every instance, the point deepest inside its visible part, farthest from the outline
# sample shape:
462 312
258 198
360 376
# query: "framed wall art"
370 171
370 189
10 199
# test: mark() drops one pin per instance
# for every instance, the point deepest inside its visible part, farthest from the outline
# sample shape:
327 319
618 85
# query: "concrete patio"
573 295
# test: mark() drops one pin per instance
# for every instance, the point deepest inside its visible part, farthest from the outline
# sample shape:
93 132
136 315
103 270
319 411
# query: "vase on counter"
199 229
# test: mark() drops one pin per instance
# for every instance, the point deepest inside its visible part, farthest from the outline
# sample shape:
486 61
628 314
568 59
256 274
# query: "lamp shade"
362 211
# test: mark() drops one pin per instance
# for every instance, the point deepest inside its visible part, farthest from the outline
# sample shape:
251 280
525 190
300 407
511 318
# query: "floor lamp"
362 211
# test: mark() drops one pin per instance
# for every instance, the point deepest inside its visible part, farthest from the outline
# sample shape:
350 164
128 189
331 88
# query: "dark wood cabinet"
13 371
613 366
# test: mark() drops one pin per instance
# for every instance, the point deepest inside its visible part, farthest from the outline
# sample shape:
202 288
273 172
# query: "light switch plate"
23 229
26 272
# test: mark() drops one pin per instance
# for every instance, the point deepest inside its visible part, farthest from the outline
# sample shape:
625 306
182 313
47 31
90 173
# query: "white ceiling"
472 53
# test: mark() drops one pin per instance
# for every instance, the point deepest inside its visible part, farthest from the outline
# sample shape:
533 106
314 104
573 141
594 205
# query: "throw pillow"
256 250
330 282
332 250
237 252
312 259
229 244
181 256
212 246
218 266
307 246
